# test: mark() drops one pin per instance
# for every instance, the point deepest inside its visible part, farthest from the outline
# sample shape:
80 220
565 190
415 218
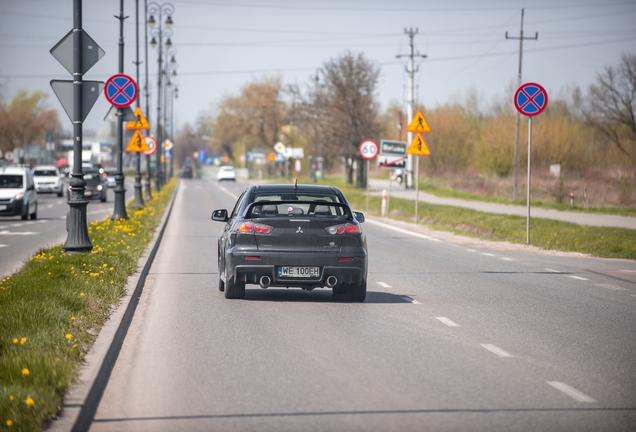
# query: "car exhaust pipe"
265 281
332 281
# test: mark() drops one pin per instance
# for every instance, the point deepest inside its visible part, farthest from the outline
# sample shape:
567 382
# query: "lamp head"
153 42
151 22
169 21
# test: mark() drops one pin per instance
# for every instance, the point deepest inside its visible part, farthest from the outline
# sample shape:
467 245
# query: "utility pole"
139 200
410 107
521 38
147 94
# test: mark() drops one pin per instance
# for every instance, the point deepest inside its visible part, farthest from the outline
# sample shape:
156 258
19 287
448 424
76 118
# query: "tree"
612 104
345 107
26 120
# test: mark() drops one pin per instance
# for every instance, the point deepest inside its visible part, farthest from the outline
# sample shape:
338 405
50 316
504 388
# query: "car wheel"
356 293
25 216
221 284
104 198
34 215
60 193
234 290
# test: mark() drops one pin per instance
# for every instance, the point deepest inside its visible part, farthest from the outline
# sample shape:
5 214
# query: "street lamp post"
139 200
120 192
163 30
170 75
147 94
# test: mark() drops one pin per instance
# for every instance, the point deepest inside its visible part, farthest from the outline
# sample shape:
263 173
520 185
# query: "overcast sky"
223 44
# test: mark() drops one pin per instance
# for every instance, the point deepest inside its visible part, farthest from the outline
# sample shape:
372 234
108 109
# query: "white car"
226 173
18 196
47 178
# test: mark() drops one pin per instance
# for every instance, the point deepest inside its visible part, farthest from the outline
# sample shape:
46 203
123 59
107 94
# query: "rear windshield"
10 181
45 173
313 205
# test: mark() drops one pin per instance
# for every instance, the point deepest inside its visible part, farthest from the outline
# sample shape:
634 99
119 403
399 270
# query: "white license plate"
3 207
299 272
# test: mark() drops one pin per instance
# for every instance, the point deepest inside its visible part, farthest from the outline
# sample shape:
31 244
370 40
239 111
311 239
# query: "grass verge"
605 242
52 310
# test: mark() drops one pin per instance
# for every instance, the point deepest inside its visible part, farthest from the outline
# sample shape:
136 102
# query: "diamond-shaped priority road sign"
121 90
531 99
90 93
91 52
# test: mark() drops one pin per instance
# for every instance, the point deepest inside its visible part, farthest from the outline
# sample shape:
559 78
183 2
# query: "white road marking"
486 254
471 250
628 271
410 300
571 391
42 221
98 211
448 322
403 231
553 271
577 277
496 350
25 233
508 259
612 287
49 206
4 245
384 285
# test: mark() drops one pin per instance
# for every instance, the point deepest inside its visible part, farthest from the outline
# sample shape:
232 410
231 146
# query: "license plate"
299 272
3 207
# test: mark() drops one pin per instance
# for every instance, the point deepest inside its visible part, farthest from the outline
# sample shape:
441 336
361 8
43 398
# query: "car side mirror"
31 187
358 216
219 215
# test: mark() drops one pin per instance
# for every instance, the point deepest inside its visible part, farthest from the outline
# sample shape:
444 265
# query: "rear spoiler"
346 209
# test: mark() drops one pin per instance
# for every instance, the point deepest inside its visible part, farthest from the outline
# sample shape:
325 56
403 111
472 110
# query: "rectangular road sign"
391 161
91 90
91 52
388 147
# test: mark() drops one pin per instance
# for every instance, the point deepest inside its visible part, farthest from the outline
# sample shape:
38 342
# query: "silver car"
47 178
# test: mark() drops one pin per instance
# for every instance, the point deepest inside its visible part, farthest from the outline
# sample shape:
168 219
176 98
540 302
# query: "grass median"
52 310
605 242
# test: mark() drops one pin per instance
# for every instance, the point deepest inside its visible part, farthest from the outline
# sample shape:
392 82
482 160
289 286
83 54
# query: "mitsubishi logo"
299 231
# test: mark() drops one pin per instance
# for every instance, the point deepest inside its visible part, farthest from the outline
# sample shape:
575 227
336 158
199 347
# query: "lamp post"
170 76
147 94
139 200
163 30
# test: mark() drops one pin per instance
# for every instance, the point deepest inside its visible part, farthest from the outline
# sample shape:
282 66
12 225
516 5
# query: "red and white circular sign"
9 156
152 143
368 149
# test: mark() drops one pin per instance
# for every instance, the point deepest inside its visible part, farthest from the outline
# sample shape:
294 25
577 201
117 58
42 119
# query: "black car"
302 236
96 185
186 172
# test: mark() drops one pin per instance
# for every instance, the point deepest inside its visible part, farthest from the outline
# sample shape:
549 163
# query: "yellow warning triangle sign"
418 146
419 124
137 143
141 123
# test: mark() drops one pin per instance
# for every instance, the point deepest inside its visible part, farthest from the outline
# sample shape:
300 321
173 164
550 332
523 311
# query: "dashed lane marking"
496 350
553 271
384 285
508 259
17 233
577 277
487 254
410 300
612 287
571 391
50 206
4 245
448 322
471 250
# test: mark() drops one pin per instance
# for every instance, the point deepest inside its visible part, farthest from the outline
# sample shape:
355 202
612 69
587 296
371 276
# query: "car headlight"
19 196
99 187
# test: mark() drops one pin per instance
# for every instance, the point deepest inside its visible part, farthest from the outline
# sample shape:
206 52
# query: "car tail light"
252 257
341 229
246 227
345 259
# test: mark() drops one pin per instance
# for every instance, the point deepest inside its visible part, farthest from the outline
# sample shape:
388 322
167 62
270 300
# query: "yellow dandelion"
74 345
25 372
68 335
105 265
72 318
86 284
15 340
23 341
9 423
11 398
29 401
49 273
112 268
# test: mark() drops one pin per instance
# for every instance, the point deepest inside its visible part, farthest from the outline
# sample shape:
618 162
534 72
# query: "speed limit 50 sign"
368 149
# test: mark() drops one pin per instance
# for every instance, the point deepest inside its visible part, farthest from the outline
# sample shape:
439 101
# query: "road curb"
80 405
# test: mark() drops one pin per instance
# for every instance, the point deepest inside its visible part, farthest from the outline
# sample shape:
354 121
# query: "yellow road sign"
418 146
137 143
141 123
419 124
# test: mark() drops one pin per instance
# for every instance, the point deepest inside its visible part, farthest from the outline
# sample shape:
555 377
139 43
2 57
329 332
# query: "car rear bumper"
13 208
250 271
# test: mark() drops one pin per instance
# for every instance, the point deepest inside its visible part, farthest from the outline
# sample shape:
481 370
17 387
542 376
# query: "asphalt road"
449 338
20 240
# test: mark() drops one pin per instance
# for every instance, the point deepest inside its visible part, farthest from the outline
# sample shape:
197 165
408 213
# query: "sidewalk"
376 186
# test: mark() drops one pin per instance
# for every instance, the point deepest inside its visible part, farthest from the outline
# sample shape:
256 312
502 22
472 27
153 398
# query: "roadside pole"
418 148
368 150
139 199
530 100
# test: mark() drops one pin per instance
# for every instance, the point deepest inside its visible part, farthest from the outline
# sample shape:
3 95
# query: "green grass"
548 234
443 192
53 308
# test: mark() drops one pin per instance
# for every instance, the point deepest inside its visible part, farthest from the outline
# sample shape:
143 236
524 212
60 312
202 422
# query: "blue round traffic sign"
121 90
531 99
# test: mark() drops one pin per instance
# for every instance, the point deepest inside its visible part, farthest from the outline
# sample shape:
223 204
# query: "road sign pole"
417 187
119 211
76 222
367 182
528 191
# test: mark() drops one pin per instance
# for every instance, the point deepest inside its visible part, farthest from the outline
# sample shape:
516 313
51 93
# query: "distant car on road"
47 178
110 177
186 172
302 236
18 196
226 173
96 187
